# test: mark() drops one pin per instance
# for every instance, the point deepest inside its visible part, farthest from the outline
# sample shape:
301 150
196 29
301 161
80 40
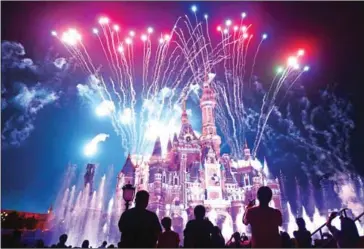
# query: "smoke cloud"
315 136
27 87
345 189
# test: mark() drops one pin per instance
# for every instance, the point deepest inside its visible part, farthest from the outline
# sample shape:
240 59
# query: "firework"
143 77
91 147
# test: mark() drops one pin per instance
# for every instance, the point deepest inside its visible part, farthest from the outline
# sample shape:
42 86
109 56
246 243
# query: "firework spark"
148 75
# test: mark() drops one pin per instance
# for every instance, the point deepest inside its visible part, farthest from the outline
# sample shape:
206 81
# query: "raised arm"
246 217
333 230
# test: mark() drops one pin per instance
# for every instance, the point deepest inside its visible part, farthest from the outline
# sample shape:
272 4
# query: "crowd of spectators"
141 228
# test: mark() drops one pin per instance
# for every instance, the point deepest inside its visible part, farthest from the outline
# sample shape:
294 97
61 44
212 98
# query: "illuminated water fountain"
90 214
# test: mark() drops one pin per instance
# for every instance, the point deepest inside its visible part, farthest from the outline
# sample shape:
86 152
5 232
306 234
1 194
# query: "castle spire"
128 168
246 151
175 139
184 117
169 145
207 104
157 150
184 99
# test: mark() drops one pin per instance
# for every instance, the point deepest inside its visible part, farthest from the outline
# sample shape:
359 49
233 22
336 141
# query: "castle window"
164 179
175 181
246 182
141 180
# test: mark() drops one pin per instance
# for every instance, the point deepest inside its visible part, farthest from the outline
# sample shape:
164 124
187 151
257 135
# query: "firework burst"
148 74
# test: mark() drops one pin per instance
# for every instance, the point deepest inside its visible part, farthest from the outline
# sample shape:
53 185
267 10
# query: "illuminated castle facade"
194 172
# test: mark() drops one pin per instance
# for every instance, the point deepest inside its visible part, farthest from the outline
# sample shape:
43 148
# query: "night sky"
331 33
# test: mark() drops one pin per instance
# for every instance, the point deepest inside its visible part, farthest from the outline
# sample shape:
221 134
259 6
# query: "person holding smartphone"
348 236
264 221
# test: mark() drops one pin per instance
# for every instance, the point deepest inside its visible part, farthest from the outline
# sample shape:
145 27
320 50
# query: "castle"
193 172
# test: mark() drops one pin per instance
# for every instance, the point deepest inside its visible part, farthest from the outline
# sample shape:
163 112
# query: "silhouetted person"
235 241
139 227
217 239
197 233
103 244
264 221
14 241
286 240
169 238
85 244
39 244
302 235
62 241
111 246
348 236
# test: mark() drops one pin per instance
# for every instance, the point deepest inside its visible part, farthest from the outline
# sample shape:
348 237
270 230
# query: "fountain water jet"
227 227
292 221
212 215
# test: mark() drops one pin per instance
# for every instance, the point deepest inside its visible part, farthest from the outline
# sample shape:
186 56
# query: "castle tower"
156 186
89 176
186 134
184 117
175 139
169 145
246 151
157 150
207 104
213 177
125 176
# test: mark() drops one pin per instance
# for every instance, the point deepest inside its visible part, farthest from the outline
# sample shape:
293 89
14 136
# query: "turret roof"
157 150
128 168
175 139
169 145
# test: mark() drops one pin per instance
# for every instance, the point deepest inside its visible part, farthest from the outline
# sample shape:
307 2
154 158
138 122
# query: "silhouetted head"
236 236
264 195
111 246
301 223
348 228
141 199
286 240
104 243
199 212
166 223
85 244
63 238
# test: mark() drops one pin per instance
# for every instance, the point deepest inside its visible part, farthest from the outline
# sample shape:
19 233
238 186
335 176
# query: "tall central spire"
184 117
207 104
